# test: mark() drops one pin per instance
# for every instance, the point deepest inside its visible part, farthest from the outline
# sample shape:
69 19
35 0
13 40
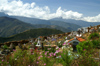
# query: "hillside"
33 33
11 26
52 27
69 26
3 14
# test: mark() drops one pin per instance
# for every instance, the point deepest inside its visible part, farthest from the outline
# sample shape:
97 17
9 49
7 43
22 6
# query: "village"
67 41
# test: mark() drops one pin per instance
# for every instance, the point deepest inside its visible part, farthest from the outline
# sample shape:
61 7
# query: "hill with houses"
81 47
51 47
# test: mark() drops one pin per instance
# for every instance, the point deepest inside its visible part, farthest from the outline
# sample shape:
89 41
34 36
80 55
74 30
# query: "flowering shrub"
84 46
60 44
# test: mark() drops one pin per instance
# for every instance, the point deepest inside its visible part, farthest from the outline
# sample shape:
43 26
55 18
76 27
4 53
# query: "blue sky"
87 7
87 10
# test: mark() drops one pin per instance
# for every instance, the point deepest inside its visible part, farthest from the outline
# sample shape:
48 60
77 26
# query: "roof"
77 38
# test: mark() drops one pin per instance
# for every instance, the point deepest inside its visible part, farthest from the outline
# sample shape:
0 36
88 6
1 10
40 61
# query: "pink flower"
48 56
2 60
41 56
63 44
38 57
60 56
28 65
56 51
45 53
14 50
59 48
40 52
37 62
54 54
44 64
32 53
84 49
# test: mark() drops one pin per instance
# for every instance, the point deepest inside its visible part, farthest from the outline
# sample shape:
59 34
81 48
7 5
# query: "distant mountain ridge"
77 22
3 14
11 26
47 22
34 21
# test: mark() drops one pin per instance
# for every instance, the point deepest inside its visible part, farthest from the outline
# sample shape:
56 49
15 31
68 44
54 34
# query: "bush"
96 43
94 35
65 58
84 46
5 47
87 61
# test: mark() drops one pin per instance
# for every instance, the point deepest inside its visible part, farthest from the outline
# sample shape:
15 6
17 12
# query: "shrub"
96 43
94 35
65 58
87 61
84 46
5 47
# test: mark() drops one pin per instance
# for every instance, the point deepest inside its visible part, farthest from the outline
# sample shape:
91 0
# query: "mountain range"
77 22
35 21
11 26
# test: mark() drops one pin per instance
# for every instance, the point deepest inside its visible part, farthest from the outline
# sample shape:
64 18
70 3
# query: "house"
85 29
73 33
39 45
75 41
98 27
93 30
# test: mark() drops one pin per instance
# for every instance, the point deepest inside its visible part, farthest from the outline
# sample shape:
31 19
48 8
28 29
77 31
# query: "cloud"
92 19
18 8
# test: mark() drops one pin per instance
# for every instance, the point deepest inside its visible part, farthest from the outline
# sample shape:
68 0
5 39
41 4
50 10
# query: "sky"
87 10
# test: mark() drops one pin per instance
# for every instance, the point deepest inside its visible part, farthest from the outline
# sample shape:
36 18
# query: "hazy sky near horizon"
87 10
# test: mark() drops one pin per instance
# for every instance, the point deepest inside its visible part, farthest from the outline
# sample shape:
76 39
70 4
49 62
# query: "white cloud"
92 19
18 8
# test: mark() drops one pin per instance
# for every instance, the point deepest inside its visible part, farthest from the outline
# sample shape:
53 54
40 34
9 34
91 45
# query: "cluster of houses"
71 38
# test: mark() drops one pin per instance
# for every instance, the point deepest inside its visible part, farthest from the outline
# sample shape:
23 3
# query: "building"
75 41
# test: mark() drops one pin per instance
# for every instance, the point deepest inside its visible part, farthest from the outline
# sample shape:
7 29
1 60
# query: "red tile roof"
77 38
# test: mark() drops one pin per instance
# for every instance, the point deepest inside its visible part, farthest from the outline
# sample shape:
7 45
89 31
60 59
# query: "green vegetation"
96 43
53 57
33 33
12 26
84 46
94 35
5 47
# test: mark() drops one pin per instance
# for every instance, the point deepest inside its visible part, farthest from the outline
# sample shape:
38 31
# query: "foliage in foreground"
94 35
